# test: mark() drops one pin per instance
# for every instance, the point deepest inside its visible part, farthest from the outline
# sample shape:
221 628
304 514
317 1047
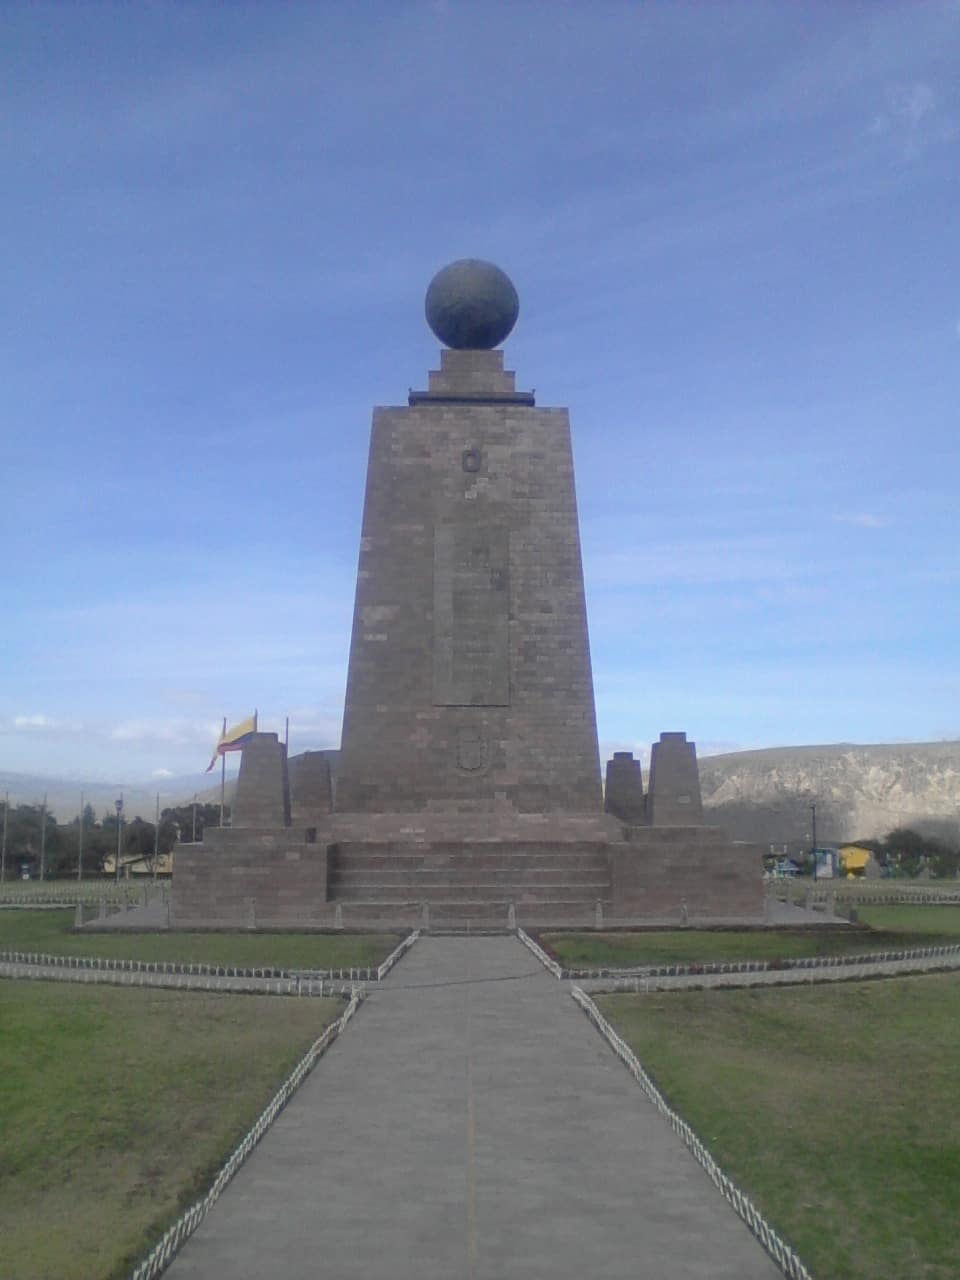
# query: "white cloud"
913 119
911 102
862 519
175 732
32 722
162 773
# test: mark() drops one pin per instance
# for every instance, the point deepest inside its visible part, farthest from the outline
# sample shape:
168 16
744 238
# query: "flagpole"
223 771
3 839
43 838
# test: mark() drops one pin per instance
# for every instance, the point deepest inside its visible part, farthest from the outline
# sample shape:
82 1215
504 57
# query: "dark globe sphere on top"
471 304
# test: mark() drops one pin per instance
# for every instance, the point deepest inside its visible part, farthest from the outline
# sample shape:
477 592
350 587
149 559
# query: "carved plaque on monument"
471 598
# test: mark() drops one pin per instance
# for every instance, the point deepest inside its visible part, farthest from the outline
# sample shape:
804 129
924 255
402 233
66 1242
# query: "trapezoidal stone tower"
468 778
469 686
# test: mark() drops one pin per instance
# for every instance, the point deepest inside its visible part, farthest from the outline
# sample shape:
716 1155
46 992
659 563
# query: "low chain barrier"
33 905
396 954
865 898
173 1240
713 968
784 978
784 1256
65 899
291 986
917 899
547 961
177 967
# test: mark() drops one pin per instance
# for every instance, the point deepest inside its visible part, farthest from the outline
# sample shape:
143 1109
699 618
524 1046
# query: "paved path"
471 1123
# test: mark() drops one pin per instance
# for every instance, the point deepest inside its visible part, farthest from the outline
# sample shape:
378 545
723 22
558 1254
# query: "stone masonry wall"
216 882
469 677
659 869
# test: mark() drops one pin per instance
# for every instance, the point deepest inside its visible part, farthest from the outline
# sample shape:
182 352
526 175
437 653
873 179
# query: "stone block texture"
469 679
262 798
659 870
623 789
255 877
467 786
311 791
674 794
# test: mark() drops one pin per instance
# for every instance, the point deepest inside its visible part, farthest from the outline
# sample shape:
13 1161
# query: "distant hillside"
757 795
139 798
858 791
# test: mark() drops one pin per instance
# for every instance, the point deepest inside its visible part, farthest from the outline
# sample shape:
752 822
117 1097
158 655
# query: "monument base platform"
464 870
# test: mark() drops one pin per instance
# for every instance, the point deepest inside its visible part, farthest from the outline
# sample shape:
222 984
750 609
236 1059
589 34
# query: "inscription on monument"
471 750
471 602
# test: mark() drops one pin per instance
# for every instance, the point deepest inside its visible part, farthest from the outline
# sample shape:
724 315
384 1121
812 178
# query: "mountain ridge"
859 789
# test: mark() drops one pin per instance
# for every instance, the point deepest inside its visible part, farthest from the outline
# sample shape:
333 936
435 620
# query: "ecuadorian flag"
234 739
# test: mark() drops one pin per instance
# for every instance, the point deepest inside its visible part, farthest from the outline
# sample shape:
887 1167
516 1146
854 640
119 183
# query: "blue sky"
733 229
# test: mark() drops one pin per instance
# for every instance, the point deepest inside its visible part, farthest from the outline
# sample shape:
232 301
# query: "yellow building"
138 865
854 859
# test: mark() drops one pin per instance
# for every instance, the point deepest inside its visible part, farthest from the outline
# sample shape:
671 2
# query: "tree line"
902 852
37 843
905 852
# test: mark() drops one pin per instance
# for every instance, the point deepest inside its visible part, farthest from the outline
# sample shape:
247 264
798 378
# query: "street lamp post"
116 870
156 840
3 840
80 842
43 839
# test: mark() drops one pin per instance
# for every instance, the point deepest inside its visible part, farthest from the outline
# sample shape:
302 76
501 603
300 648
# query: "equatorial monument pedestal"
467 786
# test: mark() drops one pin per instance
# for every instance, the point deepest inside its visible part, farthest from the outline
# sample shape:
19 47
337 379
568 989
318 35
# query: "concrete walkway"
471 1123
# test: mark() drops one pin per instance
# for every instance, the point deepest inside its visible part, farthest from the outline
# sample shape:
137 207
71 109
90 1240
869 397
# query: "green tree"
910 852
180 818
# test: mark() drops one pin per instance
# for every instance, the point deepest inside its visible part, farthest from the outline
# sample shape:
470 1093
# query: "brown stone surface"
468 777
311 794
673 798
469 675
261 798
623 788
254 877
661 869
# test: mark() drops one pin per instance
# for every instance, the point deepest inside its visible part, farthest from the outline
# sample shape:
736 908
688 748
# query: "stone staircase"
464 881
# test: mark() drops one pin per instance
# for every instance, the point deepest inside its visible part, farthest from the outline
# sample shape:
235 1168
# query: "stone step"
486 860
492 910
406 892
472 875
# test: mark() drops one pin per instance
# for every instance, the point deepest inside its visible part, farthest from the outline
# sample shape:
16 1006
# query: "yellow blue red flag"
234 739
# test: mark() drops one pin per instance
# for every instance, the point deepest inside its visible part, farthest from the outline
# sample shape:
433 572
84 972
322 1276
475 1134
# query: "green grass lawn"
834 1107
118 1105
50 931
890 928
944 922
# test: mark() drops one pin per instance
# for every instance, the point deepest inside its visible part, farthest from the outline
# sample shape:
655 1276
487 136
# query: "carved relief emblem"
471 750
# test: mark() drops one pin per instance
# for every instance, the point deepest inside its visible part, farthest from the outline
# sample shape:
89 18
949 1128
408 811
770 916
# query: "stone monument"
468 774
469 679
